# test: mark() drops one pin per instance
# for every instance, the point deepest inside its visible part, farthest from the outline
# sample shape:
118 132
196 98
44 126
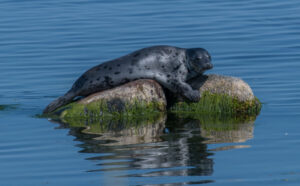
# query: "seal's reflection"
160 147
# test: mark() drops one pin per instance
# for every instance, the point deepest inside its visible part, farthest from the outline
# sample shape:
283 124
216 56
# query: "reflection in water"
230 147
142 133
173 147
237 133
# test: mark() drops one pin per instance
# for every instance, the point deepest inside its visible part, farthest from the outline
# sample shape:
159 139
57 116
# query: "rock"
231 86
146 90
8 107
134 99
219 95
221 85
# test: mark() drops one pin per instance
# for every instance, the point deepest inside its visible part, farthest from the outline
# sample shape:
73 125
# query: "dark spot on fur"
176 53
136 55
107 81
111 82
168 75
168 51
179 71
109 68
130 70
91 81
105 66
117 73
162 66
118 65
98 79
177 67
80 82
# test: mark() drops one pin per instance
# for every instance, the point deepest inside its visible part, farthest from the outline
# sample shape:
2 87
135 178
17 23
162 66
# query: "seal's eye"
208 56
199 58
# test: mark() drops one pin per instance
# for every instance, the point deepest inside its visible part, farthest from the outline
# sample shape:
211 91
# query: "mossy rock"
217 104
137 99
220 95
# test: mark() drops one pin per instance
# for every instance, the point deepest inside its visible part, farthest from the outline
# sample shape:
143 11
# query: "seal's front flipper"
187 91
193 95
179 87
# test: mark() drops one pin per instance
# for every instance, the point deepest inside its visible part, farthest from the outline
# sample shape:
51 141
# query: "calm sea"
46 45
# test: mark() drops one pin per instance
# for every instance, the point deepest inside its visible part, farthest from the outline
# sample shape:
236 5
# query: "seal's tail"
63 100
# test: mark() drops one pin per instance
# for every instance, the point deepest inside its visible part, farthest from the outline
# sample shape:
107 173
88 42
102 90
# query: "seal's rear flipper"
61 101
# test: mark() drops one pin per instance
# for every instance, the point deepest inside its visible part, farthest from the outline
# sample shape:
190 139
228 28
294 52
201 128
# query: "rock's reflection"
239 133
144 132
227 131
222 131
160 147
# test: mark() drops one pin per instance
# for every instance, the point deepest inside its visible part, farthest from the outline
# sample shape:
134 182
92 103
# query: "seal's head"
198 60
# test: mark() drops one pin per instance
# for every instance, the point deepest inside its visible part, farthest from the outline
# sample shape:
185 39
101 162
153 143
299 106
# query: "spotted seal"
170 66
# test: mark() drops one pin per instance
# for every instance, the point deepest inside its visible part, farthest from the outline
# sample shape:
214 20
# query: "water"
46 45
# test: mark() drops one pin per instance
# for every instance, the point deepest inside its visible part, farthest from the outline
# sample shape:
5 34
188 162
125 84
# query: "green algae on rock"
220 95
111 110
218 104
141 98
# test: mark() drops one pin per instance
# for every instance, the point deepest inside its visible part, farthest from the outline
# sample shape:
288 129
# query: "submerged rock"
8 107
140 98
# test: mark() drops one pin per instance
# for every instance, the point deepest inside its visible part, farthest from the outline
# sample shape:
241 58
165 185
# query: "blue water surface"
46 45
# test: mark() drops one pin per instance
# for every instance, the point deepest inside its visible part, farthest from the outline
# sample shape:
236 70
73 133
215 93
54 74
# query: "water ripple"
46 45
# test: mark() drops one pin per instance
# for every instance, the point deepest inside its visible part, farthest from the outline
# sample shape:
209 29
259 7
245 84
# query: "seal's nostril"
210 65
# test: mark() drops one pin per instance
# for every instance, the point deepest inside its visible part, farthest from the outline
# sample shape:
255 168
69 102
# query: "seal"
170 66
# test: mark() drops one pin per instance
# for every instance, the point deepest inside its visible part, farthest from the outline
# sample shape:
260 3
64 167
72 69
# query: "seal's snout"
209 65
